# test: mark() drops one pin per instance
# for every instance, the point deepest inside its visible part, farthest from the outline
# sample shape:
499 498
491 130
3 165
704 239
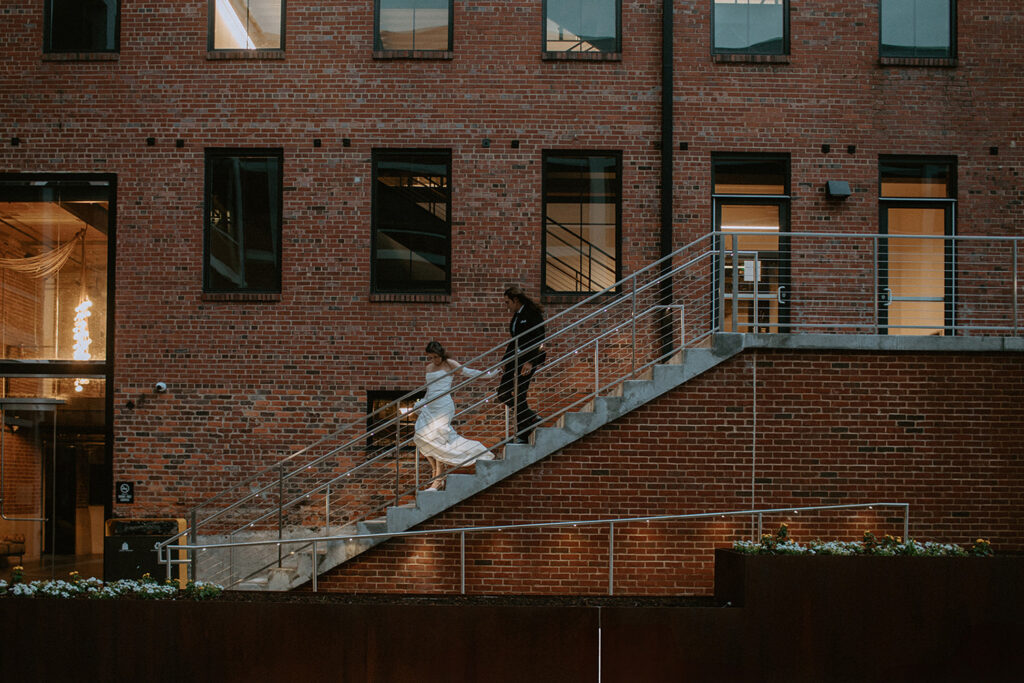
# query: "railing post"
754 320
313 567
906 522
1016 303
682 326
515 388
280 510
398 454
760 526
597 366
876 292
611 558
735 283
633 318
327 510
462 559
193 535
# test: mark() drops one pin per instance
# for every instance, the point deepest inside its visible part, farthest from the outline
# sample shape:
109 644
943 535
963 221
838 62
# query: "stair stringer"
547 440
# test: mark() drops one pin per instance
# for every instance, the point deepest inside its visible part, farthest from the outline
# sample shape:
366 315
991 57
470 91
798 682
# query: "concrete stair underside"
627 396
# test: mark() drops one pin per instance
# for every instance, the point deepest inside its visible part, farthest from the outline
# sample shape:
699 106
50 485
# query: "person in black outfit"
523 356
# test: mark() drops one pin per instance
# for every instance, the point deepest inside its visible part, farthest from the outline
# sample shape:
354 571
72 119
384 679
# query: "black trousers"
512 392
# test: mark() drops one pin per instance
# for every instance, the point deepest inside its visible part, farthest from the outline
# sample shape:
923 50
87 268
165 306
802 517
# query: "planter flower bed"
781 544
75 586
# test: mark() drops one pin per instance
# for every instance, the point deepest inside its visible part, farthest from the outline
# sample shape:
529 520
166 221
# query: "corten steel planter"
862 618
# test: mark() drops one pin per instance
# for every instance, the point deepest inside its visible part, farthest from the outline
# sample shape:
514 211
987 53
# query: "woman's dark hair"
516 292
436 348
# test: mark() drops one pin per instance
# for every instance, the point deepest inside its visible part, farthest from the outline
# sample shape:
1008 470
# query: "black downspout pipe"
665 291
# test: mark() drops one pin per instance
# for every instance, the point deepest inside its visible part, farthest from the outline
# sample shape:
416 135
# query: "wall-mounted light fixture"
837 189
851 149
317 142
346 142
15 142
514 144
486 142
826 148
179 143
150 142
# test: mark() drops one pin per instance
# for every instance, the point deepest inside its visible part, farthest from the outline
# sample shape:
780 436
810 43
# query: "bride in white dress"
438 442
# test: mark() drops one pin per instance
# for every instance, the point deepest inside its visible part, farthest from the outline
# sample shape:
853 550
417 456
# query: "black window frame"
48 30
951 52
385 154
546 290
211 153
544 33
715 50
211 21
379 47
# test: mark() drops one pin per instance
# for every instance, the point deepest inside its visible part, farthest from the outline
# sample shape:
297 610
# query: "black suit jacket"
530 322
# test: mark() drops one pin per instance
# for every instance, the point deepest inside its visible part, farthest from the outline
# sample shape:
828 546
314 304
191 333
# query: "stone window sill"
244 54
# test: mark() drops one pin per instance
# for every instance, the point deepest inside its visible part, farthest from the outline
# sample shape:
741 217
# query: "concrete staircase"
629 395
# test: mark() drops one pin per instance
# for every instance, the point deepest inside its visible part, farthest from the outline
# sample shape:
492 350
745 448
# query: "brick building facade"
254 373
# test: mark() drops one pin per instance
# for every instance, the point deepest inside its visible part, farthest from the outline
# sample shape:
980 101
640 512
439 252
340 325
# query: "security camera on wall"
160 387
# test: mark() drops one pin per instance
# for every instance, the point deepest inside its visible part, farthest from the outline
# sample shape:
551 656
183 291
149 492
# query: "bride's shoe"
438 485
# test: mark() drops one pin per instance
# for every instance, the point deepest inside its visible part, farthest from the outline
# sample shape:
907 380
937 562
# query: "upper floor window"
753 27
413 25
917 28
243 220
246 24
411 243
81 25
582 218
582 26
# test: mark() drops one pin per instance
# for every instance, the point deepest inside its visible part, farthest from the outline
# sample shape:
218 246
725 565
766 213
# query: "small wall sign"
125 492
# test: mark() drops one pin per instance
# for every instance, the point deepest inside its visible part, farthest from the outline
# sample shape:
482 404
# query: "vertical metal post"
633 318
398 451
280 510
877 293
682 326
515 388
597 366
327 510
1016 303
462 558
416 468
757 265
760 526
314 568
611 558
906 522
193 535
735 284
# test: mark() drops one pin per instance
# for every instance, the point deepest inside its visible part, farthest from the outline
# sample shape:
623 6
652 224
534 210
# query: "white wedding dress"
434 433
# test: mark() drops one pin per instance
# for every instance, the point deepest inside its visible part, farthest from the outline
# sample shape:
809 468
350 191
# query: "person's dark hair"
516 292
436 348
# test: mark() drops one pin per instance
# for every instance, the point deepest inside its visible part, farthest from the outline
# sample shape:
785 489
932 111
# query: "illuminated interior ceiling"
247 24
28 228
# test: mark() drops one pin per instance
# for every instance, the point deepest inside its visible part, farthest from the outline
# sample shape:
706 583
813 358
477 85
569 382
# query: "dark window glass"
247 24
414 25
411 221
381 426
916 178
243 221
917 28
582 26
759 27
581 221
745 174
81 26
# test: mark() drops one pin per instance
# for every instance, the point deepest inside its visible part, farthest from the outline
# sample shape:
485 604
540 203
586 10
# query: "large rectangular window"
582 217
751 204
917 28
582 26
246 24
243 220
754 27
81 25
413 25
54 240
411 247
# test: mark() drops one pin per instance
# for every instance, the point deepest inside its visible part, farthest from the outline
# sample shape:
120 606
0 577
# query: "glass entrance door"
915 272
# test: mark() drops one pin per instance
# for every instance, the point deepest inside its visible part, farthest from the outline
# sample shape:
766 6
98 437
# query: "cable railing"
806 282
756 515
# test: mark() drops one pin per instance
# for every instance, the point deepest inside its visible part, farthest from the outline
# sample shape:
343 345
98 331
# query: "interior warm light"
234 25
80 332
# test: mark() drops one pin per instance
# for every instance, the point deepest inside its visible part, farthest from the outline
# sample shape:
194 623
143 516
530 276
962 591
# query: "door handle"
782 295
885 297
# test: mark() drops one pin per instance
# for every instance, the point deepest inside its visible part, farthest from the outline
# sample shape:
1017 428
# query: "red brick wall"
939 431
250 382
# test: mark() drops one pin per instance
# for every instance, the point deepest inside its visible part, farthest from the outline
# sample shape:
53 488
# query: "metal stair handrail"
757 530
249 491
